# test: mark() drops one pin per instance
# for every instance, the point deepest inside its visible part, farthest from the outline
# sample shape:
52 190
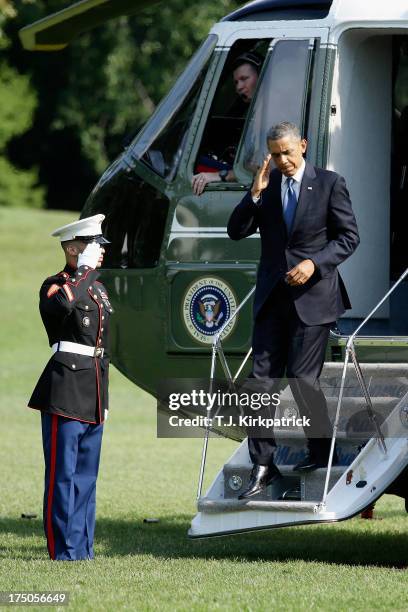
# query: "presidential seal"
207 305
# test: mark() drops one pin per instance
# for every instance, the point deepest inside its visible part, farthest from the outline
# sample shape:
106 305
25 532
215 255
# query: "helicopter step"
381 370
293 487
386 382
351 406
351 489
363 472
228 505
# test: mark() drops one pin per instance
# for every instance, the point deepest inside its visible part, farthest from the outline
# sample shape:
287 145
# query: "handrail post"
207 428
335 426
369 404
217 348
350 352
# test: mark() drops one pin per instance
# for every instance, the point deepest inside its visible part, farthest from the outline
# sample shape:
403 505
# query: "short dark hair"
249 57
68 243
282 130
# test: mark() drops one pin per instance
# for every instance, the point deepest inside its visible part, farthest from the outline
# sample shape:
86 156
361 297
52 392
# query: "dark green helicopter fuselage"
172 272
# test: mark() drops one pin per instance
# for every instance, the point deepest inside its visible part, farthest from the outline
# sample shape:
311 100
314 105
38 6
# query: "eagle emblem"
207 306
210 314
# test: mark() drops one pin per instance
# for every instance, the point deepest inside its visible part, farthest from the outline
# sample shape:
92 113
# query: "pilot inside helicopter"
210 167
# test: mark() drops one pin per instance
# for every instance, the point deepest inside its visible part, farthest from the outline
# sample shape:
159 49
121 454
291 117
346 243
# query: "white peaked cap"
87 228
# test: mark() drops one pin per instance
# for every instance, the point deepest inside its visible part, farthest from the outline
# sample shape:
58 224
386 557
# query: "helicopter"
339 70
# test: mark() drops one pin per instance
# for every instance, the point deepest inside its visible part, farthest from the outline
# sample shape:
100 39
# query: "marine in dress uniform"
72 392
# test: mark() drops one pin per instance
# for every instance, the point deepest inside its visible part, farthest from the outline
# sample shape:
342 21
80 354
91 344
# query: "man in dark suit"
307 229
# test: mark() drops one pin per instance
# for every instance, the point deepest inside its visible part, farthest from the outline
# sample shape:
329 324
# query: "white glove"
90 255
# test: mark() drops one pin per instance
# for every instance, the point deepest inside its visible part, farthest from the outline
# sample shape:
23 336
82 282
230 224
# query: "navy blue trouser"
71 454
282 343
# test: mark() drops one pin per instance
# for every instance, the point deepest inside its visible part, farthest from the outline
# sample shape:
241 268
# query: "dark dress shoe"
309 463
261 477
313 462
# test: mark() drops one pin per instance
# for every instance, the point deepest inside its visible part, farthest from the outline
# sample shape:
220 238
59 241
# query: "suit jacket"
324 230
74 307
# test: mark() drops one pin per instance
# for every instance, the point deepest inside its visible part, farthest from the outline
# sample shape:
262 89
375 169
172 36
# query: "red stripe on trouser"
53 458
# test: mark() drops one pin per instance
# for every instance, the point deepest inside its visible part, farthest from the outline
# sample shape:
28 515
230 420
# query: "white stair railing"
350 354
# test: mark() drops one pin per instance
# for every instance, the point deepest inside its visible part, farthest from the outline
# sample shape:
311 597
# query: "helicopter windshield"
288 65
242 111
161 142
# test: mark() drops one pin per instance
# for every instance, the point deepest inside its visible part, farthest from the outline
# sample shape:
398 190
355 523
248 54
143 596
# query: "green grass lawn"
355 565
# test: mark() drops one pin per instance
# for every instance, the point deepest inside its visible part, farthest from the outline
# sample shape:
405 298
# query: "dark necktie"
290 205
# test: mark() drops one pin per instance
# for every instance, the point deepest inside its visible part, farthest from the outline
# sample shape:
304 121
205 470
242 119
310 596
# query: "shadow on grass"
21 548
167 539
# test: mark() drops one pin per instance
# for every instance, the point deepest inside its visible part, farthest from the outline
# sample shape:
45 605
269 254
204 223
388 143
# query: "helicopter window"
165 153
135 217
161 144
282 96
230 105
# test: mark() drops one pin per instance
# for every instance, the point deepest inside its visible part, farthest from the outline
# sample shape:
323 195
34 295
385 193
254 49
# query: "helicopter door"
209 274
399 163
367 145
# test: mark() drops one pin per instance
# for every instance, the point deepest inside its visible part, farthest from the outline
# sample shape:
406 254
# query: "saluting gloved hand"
90 255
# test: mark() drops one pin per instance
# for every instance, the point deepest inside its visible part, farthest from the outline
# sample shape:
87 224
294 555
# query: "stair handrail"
217 348
380 303
217 336
350 352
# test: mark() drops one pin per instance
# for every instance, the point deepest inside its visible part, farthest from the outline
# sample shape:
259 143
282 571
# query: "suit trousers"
71 454
283 344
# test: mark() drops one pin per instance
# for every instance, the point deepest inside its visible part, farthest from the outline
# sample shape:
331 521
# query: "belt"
80 349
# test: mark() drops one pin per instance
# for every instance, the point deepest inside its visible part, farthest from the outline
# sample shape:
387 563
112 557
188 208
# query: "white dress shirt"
297 181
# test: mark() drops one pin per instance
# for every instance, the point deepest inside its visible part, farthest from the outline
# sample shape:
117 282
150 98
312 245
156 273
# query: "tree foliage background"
65 115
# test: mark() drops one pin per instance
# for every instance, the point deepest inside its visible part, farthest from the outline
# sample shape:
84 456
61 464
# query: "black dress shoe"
309 463
261 477
313 462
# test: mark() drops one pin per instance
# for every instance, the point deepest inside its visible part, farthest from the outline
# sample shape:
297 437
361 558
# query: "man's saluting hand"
261 179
